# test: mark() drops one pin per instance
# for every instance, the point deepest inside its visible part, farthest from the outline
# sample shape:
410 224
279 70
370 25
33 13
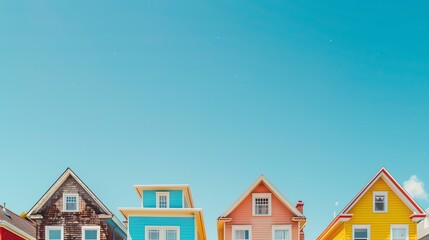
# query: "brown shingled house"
70 210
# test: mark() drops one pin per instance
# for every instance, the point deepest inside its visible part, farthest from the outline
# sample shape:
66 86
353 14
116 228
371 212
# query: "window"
162 233
282 232
241 232
54 233
261 204
380 201
361 232
399 232
162 200
71 203
90 233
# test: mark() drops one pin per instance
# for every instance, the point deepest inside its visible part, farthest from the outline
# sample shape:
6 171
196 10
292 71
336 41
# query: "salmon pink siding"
261 225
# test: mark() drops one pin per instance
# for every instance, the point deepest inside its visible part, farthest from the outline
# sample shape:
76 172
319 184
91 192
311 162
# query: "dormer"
165 196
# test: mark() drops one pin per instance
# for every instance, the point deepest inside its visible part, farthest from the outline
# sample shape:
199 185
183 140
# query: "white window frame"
241 227
367 227
65 195
48 228
281 227
261 195
159 194
90 228
162 231
386 201
405 226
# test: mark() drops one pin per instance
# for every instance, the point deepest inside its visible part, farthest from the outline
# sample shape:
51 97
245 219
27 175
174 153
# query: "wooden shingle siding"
73 221
261 225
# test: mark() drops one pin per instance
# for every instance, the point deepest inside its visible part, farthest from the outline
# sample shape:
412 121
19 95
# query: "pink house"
262 213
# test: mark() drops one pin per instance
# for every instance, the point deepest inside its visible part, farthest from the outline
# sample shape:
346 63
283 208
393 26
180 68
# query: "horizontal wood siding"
137 226
398 213
262 225
149 198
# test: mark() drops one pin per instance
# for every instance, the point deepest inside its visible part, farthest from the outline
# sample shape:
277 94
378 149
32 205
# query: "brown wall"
73 221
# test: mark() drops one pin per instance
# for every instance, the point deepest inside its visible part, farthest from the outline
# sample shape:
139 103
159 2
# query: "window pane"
71 203
361 233
162 201
91 234
153 234
242 234
379 202
281 234
171 235
399 234
261 206
54 234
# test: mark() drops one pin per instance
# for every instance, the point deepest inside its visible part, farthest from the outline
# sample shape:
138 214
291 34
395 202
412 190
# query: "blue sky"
317 96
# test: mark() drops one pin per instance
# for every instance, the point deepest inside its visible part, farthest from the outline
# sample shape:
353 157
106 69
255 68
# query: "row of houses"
70 210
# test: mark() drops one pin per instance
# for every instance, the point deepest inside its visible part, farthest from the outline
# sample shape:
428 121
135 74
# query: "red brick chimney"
300 206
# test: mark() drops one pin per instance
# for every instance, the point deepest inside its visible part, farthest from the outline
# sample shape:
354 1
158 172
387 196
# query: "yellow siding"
398 213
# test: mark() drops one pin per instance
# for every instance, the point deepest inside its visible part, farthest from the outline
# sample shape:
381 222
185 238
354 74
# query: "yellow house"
382 210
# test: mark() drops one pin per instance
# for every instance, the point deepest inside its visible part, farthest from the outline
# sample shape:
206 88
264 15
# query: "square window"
90 233
162 199
162 233
380 201
261 204
71 203
53 233
399 232
361 232
241 232
282 232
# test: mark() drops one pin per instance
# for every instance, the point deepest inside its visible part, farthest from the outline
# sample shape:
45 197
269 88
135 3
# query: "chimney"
300 206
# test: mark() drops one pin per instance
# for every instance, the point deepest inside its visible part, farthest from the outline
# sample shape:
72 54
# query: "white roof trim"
68 172
271 187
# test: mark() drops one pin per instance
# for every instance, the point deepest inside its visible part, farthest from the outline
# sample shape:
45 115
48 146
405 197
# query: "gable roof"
345 215
57 184
17 224
270 186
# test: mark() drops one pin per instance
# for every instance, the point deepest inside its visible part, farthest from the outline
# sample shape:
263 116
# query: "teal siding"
149 198
137 226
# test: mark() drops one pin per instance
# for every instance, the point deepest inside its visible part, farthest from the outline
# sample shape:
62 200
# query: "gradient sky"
316 95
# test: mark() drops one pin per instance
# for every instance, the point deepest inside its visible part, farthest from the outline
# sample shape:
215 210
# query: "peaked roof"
394 185
270 186
69 173
17 224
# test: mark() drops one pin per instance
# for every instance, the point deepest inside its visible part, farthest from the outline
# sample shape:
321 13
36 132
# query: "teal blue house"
167 213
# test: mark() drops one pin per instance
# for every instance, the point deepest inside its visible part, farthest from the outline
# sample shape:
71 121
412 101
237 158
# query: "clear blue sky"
317 95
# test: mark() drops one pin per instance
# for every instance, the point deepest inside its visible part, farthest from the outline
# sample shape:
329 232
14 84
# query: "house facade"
262 213
14 227
69 210
381 210
423 228
167 212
